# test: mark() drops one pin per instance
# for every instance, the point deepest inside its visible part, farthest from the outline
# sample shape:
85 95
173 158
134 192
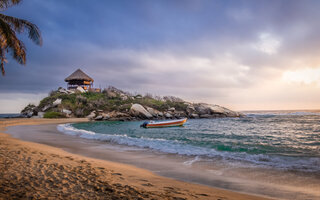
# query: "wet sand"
32 170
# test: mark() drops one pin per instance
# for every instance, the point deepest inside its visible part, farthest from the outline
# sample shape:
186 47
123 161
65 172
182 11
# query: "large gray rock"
138 110
92 115
195 116
207 109
190 109
153 112
168 115
66 111
46 107
57 102
100 117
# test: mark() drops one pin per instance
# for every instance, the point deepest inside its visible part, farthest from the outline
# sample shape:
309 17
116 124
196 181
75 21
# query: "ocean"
282 140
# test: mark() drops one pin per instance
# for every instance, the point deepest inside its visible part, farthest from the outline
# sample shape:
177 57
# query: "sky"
244 55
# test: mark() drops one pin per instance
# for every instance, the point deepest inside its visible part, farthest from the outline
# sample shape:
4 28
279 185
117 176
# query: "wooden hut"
79 78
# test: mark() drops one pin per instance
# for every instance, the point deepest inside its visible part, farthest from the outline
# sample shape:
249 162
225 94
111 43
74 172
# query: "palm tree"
9 27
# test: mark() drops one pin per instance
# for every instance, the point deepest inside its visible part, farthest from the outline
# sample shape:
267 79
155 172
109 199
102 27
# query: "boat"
162 124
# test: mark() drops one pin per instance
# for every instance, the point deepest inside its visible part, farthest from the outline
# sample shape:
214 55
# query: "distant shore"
37 171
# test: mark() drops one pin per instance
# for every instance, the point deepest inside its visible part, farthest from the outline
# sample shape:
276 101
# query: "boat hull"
164 124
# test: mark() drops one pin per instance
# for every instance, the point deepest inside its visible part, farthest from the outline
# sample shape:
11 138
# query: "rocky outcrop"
139 111
114 104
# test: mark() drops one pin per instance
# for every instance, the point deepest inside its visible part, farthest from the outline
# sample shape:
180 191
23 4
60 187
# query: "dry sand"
36 171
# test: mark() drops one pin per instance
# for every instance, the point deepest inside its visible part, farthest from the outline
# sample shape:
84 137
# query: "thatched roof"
78 75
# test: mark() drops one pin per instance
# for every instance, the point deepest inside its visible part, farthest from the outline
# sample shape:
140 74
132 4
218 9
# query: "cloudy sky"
246 55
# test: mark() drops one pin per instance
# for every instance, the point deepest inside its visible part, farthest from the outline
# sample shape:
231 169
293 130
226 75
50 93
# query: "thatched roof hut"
78 75
79 78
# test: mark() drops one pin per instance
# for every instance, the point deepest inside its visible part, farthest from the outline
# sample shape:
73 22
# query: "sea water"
281 140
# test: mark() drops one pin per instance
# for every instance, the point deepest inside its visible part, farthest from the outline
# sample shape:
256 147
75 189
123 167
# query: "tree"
9 42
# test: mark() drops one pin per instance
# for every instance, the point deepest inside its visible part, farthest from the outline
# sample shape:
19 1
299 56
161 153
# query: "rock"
179 114
160 114
171 109
202 109
123 97
57 102
40 114
168 115
46 108
62 90
68 112
100 117
91 115
215 109
105 116
153 112
205 116
138 110
80 89
29 110
190 109
194 116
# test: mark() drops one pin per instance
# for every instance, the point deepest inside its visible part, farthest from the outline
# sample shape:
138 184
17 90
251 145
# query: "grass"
54 115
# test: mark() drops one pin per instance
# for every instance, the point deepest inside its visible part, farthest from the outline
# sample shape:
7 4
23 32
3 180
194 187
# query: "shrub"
54 115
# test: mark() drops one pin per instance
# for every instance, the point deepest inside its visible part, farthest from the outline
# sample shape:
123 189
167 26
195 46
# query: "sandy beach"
31 170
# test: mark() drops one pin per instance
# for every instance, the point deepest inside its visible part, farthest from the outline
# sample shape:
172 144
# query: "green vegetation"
54 115
82 104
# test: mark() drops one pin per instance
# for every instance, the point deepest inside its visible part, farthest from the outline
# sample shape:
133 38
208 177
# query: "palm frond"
4 4
20 25
10 43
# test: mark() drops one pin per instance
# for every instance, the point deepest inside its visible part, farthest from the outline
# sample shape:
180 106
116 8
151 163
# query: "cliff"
114 104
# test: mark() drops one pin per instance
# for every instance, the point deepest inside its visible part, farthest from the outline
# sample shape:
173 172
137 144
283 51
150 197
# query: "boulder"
46 107
100 117
153 112
138 110
57 102
68 112
80 89
92 115
202 109
105 116
190 109
62 90
205 116
194 116
168 115
29 110
215 109
172 109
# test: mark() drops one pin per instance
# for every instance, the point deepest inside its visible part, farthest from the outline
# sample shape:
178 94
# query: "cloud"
267 44
215 51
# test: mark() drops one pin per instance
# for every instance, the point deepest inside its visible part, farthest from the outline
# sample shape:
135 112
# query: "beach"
32 170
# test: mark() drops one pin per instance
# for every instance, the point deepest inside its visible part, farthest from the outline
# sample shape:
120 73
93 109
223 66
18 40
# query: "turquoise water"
283 140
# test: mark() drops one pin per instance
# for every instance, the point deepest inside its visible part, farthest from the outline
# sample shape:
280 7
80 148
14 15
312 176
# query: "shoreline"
122 180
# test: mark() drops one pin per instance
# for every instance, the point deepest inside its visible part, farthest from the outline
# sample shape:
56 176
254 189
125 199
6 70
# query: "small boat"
162 124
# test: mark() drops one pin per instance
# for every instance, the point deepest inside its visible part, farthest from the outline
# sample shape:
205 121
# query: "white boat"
162 124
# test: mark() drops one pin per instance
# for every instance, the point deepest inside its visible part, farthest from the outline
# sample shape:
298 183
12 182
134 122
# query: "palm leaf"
4 4
10 43
20 25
